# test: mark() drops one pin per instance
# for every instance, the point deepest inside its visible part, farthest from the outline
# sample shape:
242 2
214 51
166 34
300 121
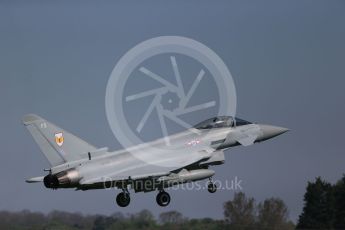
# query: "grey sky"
286 58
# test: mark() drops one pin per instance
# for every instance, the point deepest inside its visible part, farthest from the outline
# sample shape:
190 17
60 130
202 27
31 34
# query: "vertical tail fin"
58 145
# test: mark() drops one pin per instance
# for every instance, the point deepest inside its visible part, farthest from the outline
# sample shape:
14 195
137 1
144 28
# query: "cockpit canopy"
221 122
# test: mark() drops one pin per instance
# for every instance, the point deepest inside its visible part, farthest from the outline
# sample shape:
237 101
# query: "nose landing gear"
211 187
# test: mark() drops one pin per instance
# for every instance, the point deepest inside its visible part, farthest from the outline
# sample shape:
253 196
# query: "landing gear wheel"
211 187
163 199
123 199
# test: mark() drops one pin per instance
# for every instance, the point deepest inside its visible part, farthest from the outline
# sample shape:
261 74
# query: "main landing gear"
163 198
123 198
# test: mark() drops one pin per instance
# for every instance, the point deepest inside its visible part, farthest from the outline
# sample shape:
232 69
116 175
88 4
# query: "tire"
123 199
163 199
212 188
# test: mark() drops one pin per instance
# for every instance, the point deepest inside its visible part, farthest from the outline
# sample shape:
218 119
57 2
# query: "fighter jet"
152 166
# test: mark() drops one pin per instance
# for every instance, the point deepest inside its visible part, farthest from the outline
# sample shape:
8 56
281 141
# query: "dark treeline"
240 213
324 206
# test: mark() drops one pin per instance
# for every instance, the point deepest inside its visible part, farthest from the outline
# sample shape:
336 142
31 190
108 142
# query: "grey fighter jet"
152 166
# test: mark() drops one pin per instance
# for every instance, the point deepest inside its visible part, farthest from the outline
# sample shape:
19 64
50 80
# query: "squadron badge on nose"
59 139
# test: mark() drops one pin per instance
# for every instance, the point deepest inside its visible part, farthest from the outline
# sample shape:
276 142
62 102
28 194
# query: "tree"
240 212
273 214
339 204
318 208
143 219
102 222
172 217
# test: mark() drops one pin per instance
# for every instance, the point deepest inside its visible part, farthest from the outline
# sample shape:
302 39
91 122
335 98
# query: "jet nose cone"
269 131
